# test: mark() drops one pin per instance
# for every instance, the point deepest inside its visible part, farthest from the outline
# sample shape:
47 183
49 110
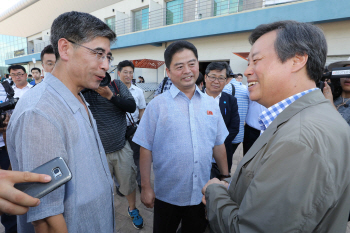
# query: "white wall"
37 64
338 37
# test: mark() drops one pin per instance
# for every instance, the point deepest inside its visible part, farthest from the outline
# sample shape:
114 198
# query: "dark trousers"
250 136
167 218
4 159
9 221
136 148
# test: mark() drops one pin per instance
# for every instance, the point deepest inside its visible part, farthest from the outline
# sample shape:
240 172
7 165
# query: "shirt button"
196 162
195 176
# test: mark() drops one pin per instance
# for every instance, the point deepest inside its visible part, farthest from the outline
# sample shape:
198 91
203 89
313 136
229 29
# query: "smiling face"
126 75
184 70
215 87
86 69
269 79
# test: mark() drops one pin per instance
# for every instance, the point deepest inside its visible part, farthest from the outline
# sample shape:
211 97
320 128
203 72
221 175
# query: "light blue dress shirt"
242 97
254 111
181 133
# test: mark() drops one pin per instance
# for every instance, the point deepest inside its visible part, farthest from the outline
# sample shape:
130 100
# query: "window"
174 12
275 2
111 23
222 7
141 19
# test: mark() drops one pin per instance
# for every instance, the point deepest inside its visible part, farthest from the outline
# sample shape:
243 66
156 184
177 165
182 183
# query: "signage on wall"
18 53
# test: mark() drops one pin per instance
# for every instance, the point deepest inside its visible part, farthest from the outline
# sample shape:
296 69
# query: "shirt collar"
219 96
64 92
28 85
132 87
267 116
174 91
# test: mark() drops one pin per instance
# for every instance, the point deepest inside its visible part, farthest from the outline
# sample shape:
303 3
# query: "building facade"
218 28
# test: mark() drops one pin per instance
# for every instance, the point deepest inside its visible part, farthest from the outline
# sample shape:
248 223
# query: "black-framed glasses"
212 79
17 75
101 56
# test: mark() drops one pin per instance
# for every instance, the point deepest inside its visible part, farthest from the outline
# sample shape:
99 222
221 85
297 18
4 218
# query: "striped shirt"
242 97
272 112
111 121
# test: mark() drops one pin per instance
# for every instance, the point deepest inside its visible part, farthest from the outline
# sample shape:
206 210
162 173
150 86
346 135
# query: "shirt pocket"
211 127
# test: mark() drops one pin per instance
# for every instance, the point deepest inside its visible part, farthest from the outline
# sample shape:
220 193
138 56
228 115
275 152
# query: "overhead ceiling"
39 16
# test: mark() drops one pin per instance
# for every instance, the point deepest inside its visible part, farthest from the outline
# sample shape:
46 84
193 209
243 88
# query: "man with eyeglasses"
67 129
216 74
19 77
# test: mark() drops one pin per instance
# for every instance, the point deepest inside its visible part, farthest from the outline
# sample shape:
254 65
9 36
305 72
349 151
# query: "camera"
9 104
334 75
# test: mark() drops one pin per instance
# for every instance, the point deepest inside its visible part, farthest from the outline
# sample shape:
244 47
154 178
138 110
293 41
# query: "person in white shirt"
19 77
126 72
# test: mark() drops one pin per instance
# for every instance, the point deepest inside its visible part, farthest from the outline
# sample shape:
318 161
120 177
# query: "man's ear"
63 48
118 72
299 62
168 72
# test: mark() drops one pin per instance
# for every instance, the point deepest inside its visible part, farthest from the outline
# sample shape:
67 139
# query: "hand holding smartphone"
59 172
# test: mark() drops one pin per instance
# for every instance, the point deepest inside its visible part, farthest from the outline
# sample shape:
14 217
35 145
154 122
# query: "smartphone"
59 172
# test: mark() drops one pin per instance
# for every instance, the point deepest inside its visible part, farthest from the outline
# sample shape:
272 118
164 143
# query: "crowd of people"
294 175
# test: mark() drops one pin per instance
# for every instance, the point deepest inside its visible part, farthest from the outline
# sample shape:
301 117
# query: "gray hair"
218 66
79 27
295 38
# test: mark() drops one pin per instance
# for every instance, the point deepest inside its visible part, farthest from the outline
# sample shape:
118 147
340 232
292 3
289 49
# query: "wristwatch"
221 177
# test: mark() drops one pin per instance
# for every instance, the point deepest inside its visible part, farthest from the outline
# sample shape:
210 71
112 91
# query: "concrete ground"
123 221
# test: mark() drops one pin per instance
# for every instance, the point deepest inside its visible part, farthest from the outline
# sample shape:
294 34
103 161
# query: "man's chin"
94 86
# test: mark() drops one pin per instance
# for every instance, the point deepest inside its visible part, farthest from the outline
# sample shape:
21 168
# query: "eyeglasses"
126 72
17 75
212 79
101 56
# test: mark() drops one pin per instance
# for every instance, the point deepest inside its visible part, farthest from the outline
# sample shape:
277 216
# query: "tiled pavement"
123 221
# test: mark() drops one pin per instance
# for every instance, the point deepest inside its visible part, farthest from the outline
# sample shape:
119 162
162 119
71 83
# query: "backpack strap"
116 90
164 82
233 90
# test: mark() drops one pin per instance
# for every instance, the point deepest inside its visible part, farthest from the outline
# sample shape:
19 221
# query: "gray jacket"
295 178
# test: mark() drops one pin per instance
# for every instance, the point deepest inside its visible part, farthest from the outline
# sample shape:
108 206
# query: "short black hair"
125 63
78 27
176 47
35 68
47 50
16 67
239 74
218 66
29 75
200 79
296 38
7 75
